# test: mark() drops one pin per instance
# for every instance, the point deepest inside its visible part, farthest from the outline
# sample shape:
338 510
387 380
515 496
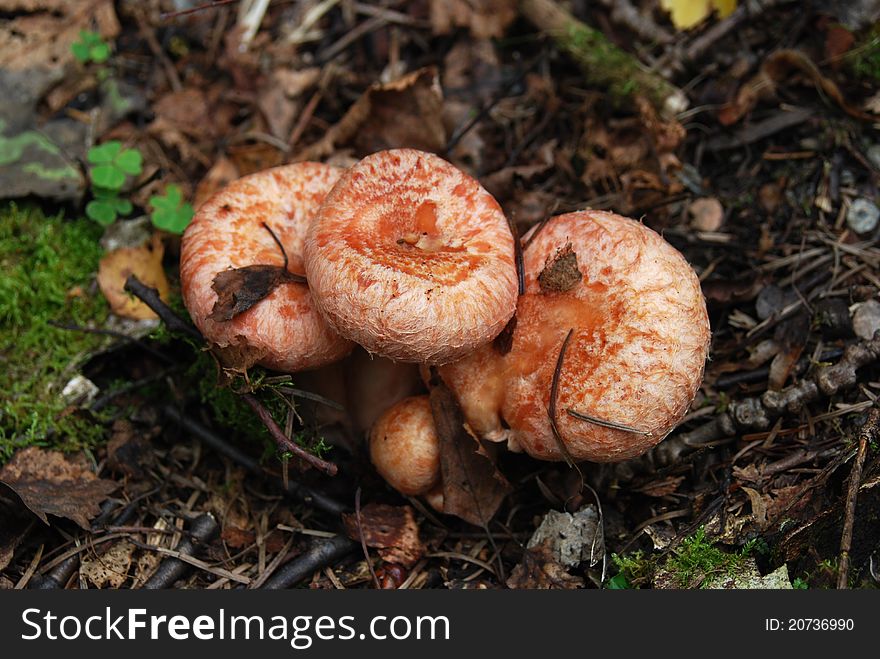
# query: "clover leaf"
90 48
111 163
107 206
170 212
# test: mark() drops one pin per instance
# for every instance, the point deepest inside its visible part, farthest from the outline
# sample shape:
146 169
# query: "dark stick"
290 276
150 297
580 416
554 391
203 528
518 258
319 555
303 492
116 335
867 434
357 517
284 441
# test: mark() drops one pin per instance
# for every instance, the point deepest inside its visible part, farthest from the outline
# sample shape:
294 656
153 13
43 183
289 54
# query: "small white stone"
79 391
862 215
866 319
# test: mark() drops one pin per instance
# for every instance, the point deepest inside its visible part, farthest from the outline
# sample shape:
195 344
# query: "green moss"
230 411
864 59
697 559
607 66
47 266
633 570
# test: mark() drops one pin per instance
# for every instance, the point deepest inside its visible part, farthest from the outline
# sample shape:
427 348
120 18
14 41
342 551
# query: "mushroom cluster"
409 257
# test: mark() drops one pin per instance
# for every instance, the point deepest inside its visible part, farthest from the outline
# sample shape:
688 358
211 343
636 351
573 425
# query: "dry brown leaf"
146 263
473 488
390 529
128 451
48 483
109 569
236 358
40 33
15 523
759 505
278 99
406 112
241 288
486 19
778 68
187 111
662 487
540 570
254 157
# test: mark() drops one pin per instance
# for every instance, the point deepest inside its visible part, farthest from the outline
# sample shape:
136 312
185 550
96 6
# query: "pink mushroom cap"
227 232
404 446
635 357
412 259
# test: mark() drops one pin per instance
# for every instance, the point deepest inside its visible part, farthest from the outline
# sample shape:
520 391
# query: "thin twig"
284 441
867 435
115 334
26 577
602 422
150 297
281 247
554 391
273 565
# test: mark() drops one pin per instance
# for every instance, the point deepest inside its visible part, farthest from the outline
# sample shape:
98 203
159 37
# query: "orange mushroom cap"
635 356
404 446
228 232
412 259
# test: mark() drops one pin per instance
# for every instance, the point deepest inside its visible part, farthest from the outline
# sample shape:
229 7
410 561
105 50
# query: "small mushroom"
236 229
611 338
412 259
405 449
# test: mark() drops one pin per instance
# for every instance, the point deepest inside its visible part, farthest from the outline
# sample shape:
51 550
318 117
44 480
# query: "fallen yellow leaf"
145 262
685 14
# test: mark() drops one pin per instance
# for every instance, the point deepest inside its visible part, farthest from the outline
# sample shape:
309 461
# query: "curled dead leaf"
240 289
778 68
539 570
